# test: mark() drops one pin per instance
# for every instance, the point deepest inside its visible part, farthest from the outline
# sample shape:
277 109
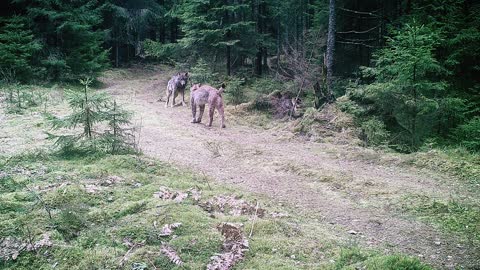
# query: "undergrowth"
453 216
101 213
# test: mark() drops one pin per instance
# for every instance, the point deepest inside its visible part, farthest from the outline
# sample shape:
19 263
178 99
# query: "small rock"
353 232
293 256
459 246
438 243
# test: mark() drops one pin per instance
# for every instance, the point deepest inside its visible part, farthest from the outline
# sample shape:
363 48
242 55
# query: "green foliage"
89 110
71 37
17 48
163 52
235 90
375 132
406 90
468 134
20 97
202 73
210 27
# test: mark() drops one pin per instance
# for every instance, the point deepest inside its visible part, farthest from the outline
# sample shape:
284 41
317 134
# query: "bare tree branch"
359 32
362 12
357 43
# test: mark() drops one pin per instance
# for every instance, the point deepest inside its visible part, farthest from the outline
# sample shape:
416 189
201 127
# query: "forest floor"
357 196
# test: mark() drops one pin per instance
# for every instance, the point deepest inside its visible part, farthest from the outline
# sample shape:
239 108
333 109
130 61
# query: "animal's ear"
186 74
223 85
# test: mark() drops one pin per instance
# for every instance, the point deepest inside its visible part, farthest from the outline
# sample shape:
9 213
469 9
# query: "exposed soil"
354 198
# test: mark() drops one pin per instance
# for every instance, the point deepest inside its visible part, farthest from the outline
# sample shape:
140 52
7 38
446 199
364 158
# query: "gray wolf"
200 95
177 84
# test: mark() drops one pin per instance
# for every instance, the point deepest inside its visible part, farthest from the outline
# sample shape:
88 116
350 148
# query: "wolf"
177 84
200 95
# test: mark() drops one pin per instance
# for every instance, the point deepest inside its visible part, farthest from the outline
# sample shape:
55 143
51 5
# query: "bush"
468 134
164 52
234 91
374 132
89 110
202 73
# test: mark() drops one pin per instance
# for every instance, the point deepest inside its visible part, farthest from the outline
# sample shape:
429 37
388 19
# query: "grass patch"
456 161
355 258
452 216
91 207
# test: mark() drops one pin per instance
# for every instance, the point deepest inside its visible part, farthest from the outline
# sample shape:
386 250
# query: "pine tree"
219 29
88 110
17 48
406 88
71 36
119 138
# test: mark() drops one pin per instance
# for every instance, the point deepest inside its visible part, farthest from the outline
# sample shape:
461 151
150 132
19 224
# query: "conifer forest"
240 134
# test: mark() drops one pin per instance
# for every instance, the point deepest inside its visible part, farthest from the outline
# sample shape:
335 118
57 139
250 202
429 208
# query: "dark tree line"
409 68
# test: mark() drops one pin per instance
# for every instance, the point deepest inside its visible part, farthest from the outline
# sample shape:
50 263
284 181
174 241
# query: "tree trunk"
330 46
228 61
162 25
258 62
173 31
116 54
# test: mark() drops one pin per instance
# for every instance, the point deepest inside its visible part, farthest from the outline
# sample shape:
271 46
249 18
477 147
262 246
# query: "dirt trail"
344 194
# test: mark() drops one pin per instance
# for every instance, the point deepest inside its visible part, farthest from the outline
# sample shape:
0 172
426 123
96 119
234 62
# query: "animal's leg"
183 99
194 110
174 96
168 98
222 115
202 109
211 111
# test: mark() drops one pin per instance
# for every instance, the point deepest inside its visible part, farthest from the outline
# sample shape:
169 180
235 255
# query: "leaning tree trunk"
330 46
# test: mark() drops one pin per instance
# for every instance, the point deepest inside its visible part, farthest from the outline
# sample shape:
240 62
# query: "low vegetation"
111 211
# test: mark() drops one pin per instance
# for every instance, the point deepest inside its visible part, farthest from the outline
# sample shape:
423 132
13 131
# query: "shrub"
468 134
202 73
89 110
234 91
374 132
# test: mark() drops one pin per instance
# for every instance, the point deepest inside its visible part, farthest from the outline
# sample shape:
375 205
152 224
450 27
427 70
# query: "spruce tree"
17 48
406 89
69 30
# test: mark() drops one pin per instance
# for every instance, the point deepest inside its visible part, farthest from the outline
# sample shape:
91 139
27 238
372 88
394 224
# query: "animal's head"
194 87
183 78
221 89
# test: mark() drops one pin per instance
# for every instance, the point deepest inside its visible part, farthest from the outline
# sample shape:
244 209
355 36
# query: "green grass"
452 216
355 258
452 161
88 229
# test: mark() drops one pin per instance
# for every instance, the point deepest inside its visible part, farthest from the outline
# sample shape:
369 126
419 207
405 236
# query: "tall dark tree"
331 45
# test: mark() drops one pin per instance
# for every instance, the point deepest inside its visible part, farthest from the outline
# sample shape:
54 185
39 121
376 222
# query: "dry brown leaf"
171 254
167 194
233 249
168 229
232 206
11 247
